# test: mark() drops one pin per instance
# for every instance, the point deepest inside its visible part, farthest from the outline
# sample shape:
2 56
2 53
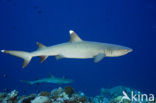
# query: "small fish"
75 48
39 11
5 75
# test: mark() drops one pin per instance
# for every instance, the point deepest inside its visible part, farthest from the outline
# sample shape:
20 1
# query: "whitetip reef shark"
75 48
51 79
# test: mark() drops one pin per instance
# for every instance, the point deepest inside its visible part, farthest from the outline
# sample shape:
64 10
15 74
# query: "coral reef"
68 95
41 99
44 93
69 91
2 96
26 99
116 91
12 96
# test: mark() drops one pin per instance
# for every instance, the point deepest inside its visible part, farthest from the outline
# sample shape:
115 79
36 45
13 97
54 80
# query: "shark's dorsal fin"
40 46
74 37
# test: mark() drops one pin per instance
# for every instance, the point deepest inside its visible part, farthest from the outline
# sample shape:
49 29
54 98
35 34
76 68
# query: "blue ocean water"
130 23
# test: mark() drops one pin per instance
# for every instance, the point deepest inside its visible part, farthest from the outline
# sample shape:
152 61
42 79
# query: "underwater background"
130 23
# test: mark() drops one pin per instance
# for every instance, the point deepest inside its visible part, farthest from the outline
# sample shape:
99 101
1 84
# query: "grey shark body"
51 79
75 48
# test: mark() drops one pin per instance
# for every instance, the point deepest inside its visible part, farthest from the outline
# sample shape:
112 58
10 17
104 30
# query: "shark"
74 48
51 79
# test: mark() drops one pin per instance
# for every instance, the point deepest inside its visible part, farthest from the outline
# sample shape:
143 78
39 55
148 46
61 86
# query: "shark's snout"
126 51
123 51
129 50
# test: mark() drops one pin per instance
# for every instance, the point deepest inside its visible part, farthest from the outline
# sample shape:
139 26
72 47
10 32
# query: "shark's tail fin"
21 54
28 82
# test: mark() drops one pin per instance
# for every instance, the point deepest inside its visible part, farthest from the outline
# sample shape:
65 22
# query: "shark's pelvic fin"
99 57
74 37
58 57
40 46
21 54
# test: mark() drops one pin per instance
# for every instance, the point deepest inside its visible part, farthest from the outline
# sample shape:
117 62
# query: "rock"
115 92
27 99
99 99
57 92
117 99
68 90
41 99
12 96
44 93
2 96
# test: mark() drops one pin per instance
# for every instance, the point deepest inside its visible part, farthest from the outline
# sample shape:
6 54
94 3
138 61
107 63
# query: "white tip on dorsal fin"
2 51
40 46
74 37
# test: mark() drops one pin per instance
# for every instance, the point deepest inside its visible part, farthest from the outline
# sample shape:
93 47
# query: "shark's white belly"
78 54
72 50
77 51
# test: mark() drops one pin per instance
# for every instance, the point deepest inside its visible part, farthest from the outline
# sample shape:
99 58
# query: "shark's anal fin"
74 37
58 57
99 57
40 46
43 58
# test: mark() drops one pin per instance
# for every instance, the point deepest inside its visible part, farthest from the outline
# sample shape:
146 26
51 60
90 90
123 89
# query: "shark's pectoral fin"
58 57
99 57
40 46
43 58
74 37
